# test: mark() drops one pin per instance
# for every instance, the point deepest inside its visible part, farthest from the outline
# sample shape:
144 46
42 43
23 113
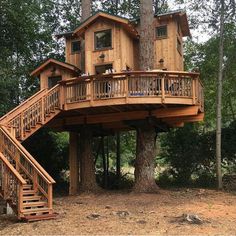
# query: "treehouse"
99 86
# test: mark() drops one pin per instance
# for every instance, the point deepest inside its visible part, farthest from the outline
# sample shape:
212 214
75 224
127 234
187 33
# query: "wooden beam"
131 115
175 112
195 118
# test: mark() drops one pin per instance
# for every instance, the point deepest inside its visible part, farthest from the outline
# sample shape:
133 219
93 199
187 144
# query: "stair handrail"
11 114
12 169
28 156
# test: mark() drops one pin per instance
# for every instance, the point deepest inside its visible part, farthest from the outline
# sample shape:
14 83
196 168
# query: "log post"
145 160
118 157
87 176
73 163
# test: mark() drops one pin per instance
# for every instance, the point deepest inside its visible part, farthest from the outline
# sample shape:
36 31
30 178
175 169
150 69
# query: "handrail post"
194 90
50 196
62 99
163 89
21 125
20 201
126 88
91 91
43 110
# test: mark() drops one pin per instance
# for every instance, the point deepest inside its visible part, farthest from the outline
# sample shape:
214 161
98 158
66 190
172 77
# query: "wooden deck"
166 88
106 103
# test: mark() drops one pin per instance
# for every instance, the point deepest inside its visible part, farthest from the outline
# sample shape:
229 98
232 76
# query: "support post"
73 163
118 157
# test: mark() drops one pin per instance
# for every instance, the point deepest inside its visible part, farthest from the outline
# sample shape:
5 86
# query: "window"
102 39
75 47
179 46
178 27
161 31
103 68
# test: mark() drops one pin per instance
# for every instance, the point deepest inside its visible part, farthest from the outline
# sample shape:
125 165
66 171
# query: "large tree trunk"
146 35
145 160
86 12
74 163
219 100
146 135
86 9
87 178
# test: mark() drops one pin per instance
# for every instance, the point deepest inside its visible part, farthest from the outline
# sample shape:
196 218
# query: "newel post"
43 110
92 83
50 195
127 88
21 125
163 89
20 201
194 90
62 96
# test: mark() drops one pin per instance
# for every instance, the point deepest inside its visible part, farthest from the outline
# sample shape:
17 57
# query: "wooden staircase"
24 184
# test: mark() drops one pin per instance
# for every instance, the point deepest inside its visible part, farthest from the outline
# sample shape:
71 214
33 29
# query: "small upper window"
179 46
75 47
102 39
161 31
178 27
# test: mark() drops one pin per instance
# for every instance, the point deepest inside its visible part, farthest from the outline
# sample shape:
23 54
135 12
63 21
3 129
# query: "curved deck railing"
134 87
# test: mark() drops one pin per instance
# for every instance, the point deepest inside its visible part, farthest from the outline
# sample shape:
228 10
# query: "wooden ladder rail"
11 185
42 181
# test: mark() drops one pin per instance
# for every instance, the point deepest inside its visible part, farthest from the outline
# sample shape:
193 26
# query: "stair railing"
33 111
11 185
23 162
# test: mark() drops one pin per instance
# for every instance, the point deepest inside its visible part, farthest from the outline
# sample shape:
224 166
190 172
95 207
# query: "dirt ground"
115 213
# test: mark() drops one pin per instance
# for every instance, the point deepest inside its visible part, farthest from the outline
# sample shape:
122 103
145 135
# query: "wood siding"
72 58
166 48
50 73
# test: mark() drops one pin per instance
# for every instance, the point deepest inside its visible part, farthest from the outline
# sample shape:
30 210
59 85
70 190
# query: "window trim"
95 40
164 36
179 49
75 52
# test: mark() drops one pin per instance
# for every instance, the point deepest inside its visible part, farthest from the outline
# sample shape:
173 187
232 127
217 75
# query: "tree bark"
146 35
86 9
73 163
118 157
146 135
88 178
145 160
86 12
219 100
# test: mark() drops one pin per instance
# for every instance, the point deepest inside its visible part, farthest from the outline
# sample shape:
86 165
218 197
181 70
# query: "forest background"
186 155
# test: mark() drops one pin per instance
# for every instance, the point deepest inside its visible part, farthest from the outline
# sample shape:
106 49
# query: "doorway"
53 81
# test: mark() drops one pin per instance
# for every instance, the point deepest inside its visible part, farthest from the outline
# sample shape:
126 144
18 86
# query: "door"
52 81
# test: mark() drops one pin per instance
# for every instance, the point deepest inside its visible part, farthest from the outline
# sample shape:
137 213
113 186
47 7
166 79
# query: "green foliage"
50 150
190 155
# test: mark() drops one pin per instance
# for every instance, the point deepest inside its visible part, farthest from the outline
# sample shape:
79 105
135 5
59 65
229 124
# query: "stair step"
34 204
35 211
31 198
27 187
40 217
28 192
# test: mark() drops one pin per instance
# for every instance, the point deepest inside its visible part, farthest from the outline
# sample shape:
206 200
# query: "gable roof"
51 61
129 25
181 16
101 14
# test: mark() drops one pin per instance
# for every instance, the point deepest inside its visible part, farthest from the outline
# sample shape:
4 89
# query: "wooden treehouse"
114 96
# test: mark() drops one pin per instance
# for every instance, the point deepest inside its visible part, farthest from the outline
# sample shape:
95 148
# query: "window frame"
179 46
95 40
75 52
163 36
